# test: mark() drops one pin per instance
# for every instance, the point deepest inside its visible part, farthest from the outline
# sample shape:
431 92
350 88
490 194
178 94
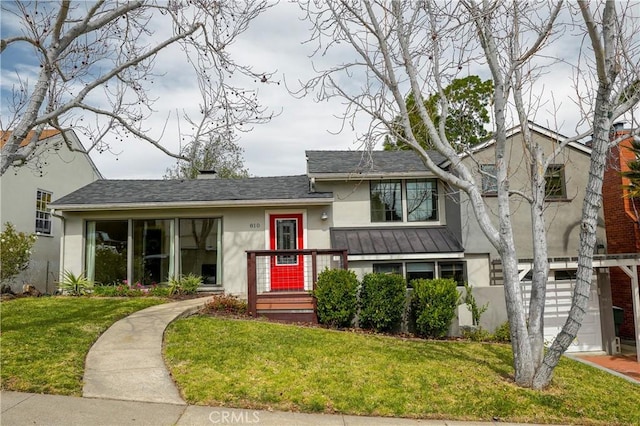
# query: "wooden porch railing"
280 282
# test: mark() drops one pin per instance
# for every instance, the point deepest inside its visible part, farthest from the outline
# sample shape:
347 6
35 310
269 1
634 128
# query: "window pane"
152 251
554 186
422 200
106 251
420 271
489 180
386 201
43 214
454 270
200 241
387 268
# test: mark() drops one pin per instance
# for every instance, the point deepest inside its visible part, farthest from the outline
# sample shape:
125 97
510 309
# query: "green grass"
255 364
44 341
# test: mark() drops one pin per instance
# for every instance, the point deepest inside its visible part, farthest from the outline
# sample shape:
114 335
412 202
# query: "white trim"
193 204
401 257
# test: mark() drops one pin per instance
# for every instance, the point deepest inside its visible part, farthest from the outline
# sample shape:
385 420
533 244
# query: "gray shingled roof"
107 192
359 241
347 162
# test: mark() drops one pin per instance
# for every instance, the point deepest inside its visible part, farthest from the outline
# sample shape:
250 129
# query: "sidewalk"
20 409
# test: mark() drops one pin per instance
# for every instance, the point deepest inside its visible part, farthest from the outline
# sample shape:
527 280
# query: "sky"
274 43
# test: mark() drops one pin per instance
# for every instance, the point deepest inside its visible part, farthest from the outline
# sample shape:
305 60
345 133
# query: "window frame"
404 202
437 268
43 222
488 180
550 173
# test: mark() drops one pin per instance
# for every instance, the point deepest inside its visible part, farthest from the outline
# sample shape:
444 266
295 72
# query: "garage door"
557 307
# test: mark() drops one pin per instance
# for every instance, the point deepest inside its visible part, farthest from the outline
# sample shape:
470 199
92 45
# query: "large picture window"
200 251
153 251
106 251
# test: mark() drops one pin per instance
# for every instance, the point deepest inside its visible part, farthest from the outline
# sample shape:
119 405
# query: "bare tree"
97 58
415 48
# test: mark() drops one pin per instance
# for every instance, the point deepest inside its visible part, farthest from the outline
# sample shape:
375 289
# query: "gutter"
62 239
195 204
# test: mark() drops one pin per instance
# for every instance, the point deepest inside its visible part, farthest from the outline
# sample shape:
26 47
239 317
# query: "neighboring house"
566 182
27 191
622 215
384 208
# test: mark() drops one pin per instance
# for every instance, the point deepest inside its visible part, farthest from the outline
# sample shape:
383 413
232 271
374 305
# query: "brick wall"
623 234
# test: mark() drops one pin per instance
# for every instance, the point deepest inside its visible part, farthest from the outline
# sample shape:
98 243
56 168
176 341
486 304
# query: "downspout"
62 238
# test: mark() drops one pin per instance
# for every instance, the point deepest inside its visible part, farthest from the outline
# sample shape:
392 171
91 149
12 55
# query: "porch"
280 282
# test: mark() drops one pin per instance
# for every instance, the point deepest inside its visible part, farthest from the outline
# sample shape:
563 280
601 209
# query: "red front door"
286 233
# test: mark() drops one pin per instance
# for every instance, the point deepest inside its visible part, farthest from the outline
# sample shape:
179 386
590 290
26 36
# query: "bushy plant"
110 265
336 299
476 334
186 284
433 306
472 305
227 304
15 251
382 301
74 285
502 333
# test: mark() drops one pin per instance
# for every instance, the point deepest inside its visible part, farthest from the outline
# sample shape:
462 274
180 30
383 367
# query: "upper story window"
422 200
393 200
555 188
386 201
489 180
43 214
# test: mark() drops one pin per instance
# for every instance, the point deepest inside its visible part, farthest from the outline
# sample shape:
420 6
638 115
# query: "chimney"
206 174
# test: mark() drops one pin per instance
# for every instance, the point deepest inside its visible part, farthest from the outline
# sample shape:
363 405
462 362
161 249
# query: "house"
266 238
27 191
621 214
565 189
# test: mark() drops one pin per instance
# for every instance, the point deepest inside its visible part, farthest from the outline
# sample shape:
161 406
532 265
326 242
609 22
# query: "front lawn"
44 341
256 364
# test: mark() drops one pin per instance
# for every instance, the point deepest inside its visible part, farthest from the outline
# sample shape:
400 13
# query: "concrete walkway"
126 362
20 409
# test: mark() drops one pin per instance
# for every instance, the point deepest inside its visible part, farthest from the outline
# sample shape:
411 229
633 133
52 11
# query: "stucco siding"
563 217
62 172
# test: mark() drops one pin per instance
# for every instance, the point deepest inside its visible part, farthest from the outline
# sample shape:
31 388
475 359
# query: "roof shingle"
131 192
362 162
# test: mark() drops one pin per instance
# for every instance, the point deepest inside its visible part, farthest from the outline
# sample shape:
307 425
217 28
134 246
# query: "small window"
43 213
489 180
566 274
555 185
420 270
422 200
386 201
453 270
387 268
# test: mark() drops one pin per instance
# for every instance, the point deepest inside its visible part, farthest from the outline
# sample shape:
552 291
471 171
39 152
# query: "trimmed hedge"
433 306
336 300
382 301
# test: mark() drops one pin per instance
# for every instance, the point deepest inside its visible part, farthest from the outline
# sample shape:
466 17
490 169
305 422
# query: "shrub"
433 306
227 304
74 285
186 284
472 305
15 251
382 301
476 334
502 333
335 294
